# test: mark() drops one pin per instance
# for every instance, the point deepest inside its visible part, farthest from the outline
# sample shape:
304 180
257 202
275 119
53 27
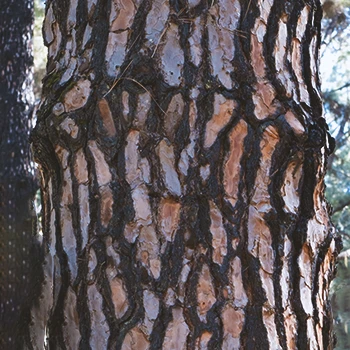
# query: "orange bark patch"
257 58
135 340
223 109
232 165
263 99
144 257
119 297
261 197
205 293
106 205
80 167
203 340
169 215
107 117
122 14
233 321
266 92
294 123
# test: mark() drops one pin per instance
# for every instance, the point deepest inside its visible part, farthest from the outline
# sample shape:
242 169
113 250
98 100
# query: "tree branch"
341 206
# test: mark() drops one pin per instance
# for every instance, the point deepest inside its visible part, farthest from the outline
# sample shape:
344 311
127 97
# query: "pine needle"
138 83
250 1
160 38
237 32
134 42
180 12
117 80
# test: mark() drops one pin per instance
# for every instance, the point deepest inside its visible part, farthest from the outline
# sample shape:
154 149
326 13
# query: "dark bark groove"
188 208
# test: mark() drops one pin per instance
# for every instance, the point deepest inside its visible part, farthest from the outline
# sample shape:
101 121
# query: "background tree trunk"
17 184
182 151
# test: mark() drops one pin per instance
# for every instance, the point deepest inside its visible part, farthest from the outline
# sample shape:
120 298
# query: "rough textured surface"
196 140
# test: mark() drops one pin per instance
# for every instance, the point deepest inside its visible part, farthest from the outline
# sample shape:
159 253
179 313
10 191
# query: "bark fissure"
191 175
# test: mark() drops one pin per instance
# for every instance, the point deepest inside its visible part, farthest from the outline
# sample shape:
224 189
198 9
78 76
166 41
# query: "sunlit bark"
182 150
17 185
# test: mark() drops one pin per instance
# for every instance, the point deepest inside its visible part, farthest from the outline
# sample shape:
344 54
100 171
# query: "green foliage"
336 86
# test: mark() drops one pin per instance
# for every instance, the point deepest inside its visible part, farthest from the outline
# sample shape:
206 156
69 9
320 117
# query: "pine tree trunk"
182 151
17 184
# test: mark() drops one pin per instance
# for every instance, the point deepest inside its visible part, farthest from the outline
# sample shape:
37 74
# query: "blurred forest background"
335 69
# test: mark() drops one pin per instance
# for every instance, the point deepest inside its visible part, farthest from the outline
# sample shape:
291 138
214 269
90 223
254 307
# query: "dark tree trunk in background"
182 151
17 185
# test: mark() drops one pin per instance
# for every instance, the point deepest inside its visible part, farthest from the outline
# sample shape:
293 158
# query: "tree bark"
17 180
182 151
